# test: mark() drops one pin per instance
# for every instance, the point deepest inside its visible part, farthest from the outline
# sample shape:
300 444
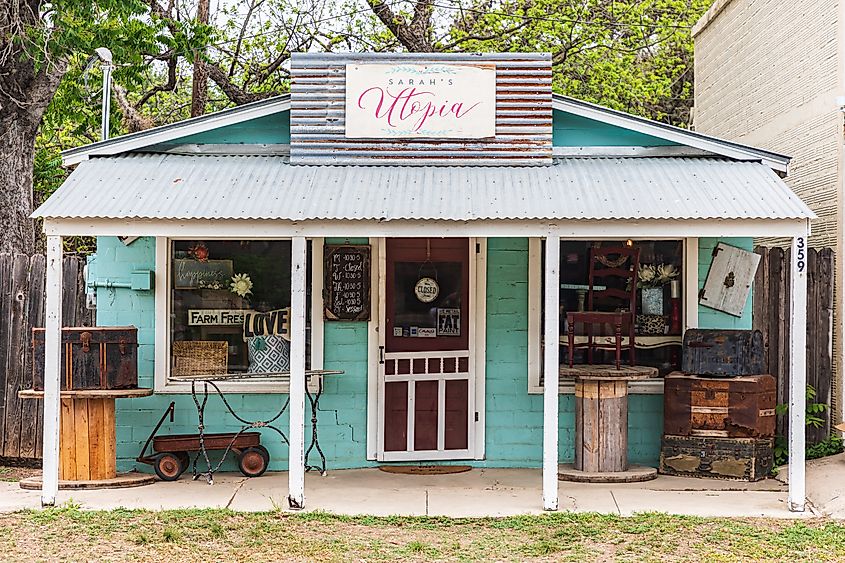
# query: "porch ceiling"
186 187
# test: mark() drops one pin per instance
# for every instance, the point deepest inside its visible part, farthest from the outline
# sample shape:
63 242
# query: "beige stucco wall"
768 73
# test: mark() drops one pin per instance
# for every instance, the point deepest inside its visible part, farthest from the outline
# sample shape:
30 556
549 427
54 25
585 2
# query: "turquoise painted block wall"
514 417
569 130
270 129
343 406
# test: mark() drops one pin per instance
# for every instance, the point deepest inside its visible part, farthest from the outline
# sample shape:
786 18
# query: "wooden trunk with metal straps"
745 459
736 407
92 358
723 352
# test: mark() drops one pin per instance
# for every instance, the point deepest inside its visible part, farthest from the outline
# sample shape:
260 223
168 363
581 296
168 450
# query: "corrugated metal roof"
172 186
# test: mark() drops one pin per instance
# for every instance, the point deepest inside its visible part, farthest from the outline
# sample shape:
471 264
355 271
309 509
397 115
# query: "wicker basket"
202 357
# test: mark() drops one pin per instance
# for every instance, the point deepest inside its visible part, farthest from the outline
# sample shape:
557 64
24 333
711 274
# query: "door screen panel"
396 416
425 415
441 323
457 401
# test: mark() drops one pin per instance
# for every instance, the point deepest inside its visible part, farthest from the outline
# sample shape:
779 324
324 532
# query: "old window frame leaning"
163 384
689 320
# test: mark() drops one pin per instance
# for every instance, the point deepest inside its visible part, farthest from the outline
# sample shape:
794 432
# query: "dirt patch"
15 474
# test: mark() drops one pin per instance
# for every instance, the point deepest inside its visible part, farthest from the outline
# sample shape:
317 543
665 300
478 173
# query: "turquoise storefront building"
486 210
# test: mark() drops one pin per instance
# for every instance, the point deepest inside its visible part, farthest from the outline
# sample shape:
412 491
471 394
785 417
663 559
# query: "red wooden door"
425 369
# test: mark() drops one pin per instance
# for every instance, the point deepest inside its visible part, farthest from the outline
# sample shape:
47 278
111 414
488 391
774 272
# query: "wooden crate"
723 352
92 358
735 407
743 459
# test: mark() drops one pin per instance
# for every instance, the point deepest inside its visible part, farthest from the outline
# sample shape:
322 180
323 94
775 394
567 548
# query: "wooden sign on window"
346 289
729 279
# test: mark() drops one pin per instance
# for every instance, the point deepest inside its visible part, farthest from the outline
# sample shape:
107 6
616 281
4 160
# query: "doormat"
425 469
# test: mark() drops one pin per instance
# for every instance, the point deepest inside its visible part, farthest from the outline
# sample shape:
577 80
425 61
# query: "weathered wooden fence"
771 316
22 308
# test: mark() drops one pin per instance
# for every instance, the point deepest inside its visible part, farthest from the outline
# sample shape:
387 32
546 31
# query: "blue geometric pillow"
268 354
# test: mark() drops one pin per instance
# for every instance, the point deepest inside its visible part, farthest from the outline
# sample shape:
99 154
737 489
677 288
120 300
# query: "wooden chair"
606 265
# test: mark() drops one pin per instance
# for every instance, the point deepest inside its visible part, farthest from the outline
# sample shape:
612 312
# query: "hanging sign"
427 290
347 283
729 279
210 274
447 101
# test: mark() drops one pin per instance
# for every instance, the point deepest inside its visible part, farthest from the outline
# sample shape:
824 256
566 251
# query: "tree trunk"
17 233
199 89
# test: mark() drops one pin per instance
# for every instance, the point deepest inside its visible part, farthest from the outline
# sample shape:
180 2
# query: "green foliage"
630 55
829 446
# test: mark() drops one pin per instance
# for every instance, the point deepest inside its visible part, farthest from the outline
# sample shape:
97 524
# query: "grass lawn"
68 533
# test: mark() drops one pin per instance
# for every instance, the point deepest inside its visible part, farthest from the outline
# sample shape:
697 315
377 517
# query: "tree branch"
168 86
235 94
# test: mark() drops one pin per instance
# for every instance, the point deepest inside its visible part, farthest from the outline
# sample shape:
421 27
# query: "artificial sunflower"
241 285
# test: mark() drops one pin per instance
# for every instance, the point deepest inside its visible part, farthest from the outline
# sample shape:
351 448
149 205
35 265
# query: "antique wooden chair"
614 305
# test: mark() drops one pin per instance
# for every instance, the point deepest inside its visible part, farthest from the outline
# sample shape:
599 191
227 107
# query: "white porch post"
797 374
296 460
551 372
52 365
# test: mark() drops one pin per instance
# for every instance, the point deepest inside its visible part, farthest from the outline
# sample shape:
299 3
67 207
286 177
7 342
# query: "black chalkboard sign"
346 294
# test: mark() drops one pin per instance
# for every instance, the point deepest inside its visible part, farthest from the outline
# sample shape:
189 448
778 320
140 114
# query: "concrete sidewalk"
825 484
480 492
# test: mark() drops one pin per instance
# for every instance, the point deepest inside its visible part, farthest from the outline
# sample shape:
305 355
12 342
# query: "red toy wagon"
172 453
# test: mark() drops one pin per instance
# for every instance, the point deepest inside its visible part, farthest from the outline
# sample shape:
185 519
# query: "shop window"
230 307
659 310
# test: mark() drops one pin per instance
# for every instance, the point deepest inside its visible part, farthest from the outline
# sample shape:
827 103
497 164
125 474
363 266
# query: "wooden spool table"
601 424
87 453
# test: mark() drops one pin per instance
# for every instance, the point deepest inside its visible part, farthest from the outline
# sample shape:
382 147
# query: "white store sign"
217 317
449 101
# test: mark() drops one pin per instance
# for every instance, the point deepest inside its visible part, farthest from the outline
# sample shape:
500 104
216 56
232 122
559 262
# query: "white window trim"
162 326
567 386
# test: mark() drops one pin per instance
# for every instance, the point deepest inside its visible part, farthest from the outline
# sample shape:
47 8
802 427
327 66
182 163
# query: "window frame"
163 272
567 386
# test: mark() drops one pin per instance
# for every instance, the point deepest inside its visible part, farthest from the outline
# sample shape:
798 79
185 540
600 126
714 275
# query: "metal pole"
104 118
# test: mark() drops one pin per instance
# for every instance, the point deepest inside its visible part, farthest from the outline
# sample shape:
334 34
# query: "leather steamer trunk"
723 352
736 407
92 358
745 459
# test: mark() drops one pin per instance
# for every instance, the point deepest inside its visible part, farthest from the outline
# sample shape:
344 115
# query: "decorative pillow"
268 354
266 324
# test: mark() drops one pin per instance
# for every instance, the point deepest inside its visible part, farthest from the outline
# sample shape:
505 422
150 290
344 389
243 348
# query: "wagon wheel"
168 466
184 459
253 461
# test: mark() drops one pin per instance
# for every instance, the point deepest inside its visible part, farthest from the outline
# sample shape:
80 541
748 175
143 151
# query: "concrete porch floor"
480 492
